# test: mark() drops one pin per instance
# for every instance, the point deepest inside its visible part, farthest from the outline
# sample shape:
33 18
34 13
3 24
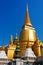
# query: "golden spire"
27 18
11 41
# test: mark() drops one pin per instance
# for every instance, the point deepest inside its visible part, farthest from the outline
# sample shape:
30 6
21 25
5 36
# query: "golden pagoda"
27 34
28 38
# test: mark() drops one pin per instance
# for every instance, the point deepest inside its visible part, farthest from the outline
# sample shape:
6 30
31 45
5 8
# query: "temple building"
24 50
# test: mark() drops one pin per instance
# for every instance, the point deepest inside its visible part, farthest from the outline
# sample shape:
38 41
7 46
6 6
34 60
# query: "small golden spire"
27 19
11 41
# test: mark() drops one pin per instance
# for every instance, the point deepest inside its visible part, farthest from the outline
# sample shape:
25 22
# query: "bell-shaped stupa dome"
3 55
29 53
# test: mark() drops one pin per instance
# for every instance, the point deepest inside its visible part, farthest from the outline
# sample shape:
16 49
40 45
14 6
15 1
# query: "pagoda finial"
16 36
27 11
11 41
27 7
27 18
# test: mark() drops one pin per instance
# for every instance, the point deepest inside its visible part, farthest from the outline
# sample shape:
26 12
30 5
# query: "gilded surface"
27 36
11 51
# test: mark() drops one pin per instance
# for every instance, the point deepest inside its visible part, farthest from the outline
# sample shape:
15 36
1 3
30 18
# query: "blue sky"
12 15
